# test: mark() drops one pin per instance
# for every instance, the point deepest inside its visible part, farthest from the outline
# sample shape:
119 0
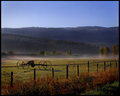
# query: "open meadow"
27 72
24 76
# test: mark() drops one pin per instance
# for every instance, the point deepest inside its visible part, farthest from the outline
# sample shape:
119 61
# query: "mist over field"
56 57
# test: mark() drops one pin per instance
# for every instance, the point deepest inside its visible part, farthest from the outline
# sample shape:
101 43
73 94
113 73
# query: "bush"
76 85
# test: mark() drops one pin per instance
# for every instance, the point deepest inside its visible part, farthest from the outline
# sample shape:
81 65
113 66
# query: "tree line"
105 51
40 53
54 52
8 53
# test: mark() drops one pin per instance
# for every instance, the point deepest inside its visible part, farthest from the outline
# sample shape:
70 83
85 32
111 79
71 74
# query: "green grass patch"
60 71
108 89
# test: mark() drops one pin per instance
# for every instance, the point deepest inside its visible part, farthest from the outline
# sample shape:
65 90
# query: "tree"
101 51
4 53
106 51
41 52
54 52
10 52
69 52
115 50
46 53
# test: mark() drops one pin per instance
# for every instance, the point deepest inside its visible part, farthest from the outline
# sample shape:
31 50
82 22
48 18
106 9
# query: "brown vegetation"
76 85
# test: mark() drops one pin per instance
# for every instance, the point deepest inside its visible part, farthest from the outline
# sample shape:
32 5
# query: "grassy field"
60 71
102 83
107 89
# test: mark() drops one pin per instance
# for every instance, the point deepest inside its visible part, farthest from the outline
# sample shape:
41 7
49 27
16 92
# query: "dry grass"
75 85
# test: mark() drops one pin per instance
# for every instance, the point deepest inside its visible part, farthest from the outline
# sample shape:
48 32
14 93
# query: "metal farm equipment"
43 64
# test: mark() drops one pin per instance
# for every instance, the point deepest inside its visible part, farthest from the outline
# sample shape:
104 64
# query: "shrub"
76 85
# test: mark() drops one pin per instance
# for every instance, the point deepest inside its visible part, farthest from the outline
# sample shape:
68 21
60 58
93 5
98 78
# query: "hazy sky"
18 14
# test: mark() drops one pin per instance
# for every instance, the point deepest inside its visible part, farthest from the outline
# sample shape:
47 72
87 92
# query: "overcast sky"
17 14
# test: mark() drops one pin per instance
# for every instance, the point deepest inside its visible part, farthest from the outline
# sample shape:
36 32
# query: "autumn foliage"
75 85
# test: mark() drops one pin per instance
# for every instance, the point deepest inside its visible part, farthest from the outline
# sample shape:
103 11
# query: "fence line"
52 72
11 79
34 74
67 70
77 70
104 65
88 66
68 64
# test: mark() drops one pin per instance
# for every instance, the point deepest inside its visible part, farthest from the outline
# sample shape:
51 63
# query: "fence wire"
60 69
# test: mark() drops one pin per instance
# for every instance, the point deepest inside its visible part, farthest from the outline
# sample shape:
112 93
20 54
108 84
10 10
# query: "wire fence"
59 70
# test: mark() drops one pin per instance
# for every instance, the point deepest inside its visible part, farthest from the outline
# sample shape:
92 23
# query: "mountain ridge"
77 34
24 44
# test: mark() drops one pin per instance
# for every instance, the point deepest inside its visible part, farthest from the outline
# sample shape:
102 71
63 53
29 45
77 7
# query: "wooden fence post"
52 72
88 66
11 79
104 65
116 64
110 64
97 67
34 74
66 71
77 70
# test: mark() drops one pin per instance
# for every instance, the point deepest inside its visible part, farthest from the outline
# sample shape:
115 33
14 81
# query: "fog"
55 57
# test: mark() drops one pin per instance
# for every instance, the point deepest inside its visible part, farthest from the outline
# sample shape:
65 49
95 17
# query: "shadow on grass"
108 89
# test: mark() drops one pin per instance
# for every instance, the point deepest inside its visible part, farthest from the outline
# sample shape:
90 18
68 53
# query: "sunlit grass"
74 85
60 71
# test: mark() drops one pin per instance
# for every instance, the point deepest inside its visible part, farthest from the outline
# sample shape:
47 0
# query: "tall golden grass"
75 85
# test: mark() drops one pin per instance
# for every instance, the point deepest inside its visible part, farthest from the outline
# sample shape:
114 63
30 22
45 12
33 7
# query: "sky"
17 14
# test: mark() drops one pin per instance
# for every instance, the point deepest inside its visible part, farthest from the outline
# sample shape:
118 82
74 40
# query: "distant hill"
97 35
24 44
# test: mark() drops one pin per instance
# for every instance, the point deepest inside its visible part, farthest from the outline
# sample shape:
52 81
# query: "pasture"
26 73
